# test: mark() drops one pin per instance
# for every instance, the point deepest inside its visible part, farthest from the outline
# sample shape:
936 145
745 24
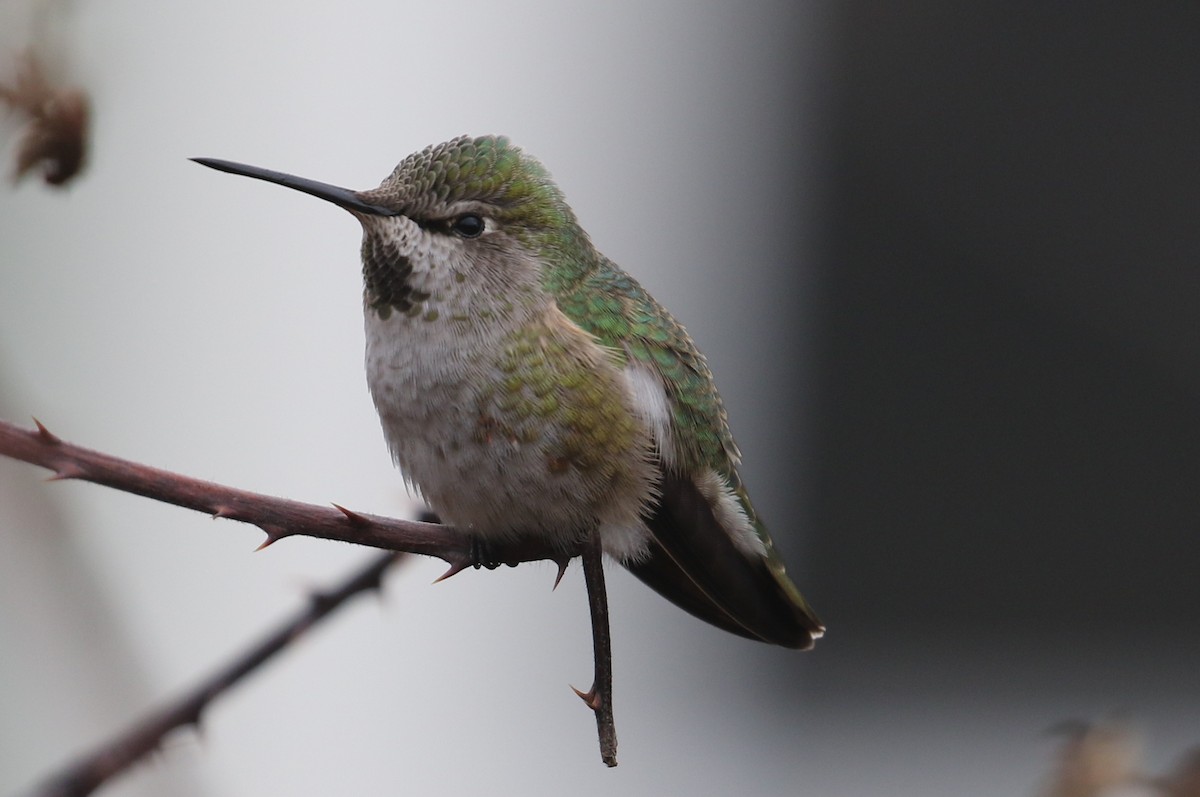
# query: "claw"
481 555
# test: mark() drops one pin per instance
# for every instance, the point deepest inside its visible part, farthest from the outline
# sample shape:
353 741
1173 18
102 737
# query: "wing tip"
694 564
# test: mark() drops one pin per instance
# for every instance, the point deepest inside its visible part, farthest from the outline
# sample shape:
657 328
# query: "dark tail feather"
696 566
661 573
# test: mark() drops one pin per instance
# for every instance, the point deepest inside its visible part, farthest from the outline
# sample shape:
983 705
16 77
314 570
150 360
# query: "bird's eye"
468 225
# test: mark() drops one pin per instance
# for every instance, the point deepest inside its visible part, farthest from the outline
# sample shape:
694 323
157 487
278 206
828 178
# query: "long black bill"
342 197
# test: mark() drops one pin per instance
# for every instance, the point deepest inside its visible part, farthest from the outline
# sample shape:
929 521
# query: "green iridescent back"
611 305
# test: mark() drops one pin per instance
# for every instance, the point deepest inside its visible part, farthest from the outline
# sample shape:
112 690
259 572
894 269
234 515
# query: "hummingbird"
526 385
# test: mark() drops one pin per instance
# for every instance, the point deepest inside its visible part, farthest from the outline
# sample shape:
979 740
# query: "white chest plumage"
491 419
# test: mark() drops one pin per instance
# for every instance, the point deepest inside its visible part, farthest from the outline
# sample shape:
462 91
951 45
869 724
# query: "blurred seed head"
1184 781
1098 760
56 123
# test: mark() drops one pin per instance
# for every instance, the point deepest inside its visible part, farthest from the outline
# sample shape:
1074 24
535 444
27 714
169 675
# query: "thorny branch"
83 776
599 697
279 518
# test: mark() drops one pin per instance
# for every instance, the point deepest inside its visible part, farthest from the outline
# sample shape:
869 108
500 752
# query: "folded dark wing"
695 565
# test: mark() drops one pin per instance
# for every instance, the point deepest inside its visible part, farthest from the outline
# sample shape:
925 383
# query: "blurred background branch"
117 754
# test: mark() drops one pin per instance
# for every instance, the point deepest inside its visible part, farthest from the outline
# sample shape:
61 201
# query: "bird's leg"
599 697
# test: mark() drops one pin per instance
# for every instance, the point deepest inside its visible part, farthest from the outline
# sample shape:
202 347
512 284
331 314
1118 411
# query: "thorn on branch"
274 535
591 697
145 738
47 437
562 571
599 697
352 516
454 569
193 722
279 518
320 603
65 472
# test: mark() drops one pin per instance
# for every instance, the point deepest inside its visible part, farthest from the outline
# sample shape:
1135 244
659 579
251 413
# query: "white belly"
451 428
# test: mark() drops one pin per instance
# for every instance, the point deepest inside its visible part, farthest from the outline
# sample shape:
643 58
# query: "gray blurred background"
943 261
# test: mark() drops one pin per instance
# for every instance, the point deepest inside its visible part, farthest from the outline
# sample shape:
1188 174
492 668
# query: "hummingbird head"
470 210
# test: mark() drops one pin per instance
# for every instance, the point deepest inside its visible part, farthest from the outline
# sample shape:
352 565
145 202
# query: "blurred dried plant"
1184 781
56 122
1098 760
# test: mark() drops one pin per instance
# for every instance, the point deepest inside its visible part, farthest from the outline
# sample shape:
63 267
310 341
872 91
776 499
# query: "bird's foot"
482 554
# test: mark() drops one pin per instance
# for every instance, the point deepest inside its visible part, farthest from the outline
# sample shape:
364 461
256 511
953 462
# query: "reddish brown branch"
277 517
85 775
599 697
